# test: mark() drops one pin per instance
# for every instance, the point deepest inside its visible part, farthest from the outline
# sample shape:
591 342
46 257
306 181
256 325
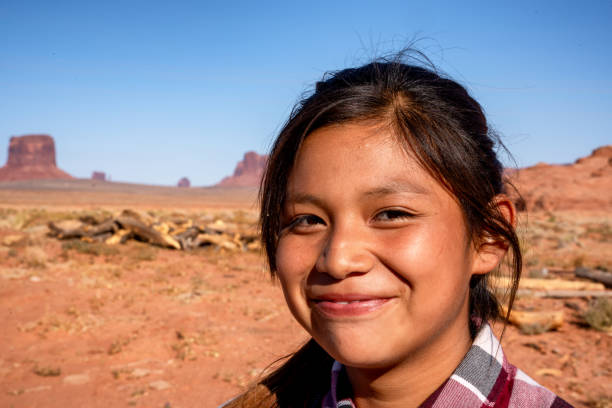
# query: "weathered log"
536 322
191 232
61 233
119 237
93 219
563 294
595 275
548 284
83 230
187 237
98 237
144 218
102 228
221 241
147 233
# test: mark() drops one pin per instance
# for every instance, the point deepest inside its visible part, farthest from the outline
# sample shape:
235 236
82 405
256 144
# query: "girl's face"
374 257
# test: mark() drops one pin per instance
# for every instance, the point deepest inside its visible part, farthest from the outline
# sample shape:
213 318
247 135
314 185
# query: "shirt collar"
476 372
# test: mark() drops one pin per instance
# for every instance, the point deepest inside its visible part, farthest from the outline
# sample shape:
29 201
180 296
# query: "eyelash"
308 221
297 221
394 214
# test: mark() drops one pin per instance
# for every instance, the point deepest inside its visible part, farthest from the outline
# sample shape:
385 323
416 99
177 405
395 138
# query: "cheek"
428 254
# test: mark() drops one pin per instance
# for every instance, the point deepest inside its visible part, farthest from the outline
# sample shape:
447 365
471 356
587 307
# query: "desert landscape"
118 294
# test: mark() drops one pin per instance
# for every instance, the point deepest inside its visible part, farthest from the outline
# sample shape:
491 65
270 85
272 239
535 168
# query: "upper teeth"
346 303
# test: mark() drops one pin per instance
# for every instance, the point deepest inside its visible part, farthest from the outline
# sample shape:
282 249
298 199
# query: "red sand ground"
141 326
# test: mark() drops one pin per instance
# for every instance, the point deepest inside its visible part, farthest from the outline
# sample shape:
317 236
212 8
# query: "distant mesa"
98 175
184 182
31 157
585 184
248 172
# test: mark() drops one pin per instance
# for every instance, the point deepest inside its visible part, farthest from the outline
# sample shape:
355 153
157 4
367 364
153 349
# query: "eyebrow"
397 187
302 198
393 187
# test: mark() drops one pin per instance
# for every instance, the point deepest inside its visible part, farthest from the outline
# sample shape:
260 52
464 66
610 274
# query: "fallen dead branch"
595 275
179 233
564 294
534 322
549 284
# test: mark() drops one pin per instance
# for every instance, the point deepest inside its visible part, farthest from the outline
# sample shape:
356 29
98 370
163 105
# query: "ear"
490 250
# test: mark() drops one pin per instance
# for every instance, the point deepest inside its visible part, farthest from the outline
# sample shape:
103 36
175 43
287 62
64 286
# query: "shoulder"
525 392
489 379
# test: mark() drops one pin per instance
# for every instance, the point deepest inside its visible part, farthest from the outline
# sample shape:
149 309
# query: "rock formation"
585 184
98 175
248 172
184 182
31 157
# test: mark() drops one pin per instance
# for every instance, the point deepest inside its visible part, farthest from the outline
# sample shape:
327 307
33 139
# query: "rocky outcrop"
98 175
31 157
248 172
184 182
585 184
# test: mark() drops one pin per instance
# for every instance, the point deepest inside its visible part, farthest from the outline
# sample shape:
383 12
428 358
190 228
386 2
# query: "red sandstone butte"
98 175
248 172
31 157
184 182
585 184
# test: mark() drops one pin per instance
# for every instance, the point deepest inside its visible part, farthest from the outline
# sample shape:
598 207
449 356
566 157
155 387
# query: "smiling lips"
348 305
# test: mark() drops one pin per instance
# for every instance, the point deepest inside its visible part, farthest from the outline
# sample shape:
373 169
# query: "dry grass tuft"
599 315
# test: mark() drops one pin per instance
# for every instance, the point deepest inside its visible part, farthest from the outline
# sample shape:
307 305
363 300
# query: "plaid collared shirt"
483 379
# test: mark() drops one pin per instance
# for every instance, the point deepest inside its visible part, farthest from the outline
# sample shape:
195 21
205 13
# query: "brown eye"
306 223
393 215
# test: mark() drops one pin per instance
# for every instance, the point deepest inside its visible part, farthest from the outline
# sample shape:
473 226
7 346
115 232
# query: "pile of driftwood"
592 285
181 233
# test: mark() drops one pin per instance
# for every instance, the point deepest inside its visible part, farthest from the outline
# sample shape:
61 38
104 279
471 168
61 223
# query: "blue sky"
152 91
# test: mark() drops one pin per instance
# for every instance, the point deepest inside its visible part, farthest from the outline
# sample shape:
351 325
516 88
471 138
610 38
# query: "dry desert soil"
93 325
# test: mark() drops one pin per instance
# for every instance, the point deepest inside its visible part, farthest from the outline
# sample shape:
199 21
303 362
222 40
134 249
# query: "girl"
383 214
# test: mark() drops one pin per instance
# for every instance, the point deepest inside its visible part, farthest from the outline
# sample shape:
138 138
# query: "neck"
409 383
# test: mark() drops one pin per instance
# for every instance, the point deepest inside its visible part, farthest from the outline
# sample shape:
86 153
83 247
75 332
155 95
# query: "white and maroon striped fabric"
483 379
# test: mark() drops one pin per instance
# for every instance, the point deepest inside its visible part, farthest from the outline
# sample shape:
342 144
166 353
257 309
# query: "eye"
305 223
393 214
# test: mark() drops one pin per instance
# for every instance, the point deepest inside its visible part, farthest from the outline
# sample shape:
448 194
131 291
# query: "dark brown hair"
436 120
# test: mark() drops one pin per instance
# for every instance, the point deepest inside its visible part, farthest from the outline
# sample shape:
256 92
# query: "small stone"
76 379
159 385
14 239
552 372
140 372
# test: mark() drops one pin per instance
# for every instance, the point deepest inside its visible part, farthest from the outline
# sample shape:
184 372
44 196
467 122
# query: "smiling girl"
383 213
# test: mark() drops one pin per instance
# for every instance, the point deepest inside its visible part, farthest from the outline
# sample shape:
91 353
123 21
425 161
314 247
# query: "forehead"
356 155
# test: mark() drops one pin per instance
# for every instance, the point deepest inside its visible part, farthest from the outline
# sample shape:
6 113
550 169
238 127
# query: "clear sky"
151 91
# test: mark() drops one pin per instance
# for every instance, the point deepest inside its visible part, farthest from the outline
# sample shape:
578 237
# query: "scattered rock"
37 389
553 372
14 239
159 385
76 379
140 372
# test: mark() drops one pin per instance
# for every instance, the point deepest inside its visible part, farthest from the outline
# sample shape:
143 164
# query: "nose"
345 252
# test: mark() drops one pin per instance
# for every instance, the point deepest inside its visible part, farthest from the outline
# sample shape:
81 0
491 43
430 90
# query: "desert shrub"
35 257
599 314
91 248
599 402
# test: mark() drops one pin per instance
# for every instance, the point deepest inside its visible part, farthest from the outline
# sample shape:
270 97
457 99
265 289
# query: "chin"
360 354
